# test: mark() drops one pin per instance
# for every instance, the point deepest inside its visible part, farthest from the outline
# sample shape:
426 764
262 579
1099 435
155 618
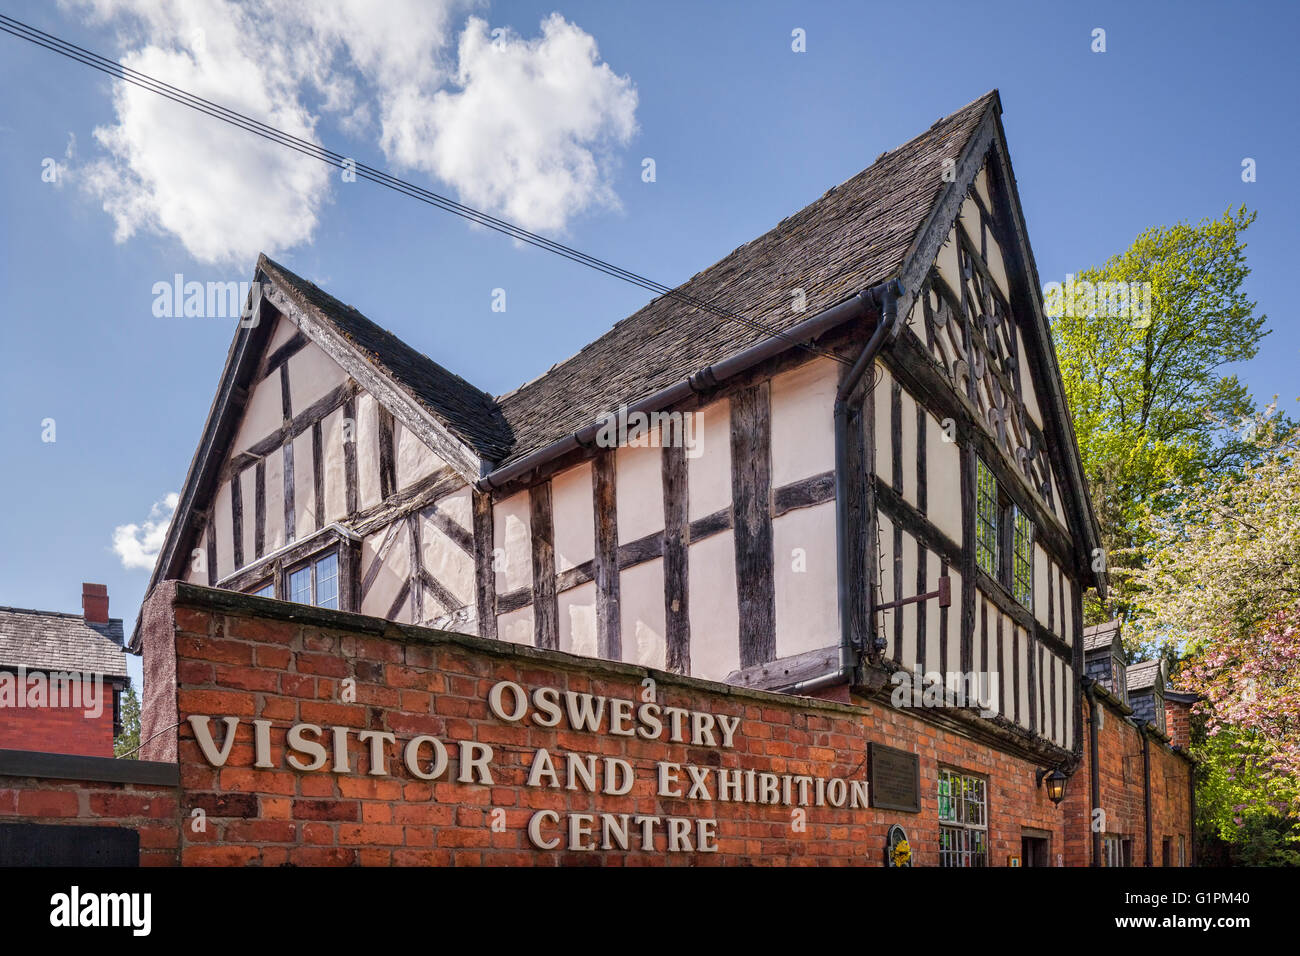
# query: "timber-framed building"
875 474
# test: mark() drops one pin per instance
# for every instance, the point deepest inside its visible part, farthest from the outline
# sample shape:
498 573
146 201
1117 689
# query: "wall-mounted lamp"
1055 784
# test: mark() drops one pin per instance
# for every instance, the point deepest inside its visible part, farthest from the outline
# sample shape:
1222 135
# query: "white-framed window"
963 819
1116 850
314 582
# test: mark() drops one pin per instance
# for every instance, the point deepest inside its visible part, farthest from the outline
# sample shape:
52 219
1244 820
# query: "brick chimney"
1178 718
94 603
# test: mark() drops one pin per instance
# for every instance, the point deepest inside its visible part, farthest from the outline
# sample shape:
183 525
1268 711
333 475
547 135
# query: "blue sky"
743 132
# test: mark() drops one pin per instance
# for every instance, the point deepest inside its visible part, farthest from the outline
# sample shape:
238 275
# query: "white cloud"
138 544
524 132
522 127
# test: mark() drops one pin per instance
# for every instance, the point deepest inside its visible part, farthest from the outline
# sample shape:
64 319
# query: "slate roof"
470 414
51 641
853 237
1100 635
1143 675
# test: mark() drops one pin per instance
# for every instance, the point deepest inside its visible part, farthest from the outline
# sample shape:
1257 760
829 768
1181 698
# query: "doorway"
1035 848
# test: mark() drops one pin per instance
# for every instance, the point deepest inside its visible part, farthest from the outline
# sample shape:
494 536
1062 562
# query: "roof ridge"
4 608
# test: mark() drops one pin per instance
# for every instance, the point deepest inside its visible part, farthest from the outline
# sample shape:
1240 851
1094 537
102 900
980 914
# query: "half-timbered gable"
336 467
838 454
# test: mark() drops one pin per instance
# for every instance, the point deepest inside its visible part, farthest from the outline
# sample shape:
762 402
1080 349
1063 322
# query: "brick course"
220 655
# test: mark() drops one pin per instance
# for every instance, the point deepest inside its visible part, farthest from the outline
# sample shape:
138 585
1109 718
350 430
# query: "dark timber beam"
546 615
485 576
676 552
751 503
609 640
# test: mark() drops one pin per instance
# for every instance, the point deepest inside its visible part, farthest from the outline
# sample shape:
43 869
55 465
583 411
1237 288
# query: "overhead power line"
177 95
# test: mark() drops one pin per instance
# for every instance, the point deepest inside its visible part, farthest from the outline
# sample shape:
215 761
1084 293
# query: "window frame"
272 568
969 840
1001 526
311 565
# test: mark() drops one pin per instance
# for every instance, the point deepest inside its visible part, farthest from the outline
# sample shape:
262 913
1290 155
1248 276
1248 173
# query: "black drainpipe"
885 296
1146 786
1094 781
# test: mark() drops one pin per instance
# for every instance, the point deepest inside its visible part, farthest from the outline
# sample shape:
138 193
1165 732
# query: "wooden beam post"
676 549
546 614
751 503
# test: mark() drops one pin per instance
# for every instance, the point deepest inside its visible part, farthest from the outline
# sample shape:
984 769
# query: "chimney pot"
94 603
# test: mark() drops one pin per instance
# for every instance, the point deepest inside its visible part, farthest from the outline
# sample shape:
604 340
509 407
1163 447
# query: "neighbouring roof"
471 415
52 641
1098 636
853 237
1143 675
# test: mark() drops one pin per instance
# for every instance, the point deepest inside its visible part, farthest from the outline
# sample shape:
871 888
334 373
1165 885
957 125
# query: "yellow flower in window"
902 853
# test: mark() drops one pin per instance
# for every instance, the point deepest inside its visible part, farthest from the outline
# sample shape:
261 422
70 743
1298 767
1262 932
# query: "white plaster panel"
450 566
933 615
715 620
1041 566
312 375
517 626
282 333
953 661
803 423
512 544
414 459
709 473
910 556
908 451
222 525
885 620
997 266
393 573
262 415
248 502
948 264
274 525
335 469
942 480
639 492
304 485
578 620
192 574
1028 387
367 433
884 443
1067 613
459 507
807 616
970 220
1022 686
982 187
573 515
641 611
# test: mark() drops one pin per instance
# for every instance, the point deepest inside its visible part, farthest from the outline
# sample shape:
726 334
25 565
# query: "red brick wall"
149 810
411 681
1178 723
63 730
1120 773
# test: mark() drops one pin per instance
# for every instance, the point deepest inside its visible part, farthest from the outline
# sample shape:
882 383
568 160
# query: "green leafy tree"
1152 402
128 741
1220 584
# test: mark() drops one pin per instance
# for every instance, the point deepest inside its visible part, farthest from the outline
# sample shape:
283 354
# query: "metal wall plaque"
895 778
